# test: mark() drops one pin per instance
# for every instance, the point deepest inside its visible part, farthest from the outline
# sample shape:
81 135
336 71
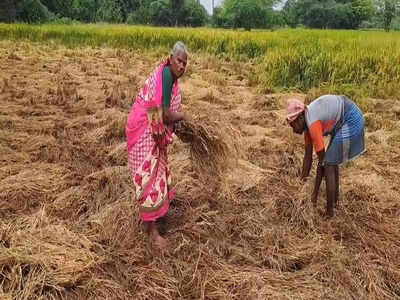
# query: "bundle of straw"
211 145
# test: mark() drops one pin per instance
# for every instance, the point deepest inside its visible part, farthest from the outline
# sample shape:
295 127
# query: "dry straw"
69 228
213 144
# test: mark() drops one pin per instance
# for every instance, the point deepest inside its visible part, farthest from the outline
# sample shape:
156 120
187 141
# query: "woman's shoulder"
167 70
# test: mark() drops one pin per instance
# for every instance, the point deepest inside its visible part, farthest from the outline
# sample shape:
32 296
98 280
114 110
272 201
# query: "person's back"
343 120
328 109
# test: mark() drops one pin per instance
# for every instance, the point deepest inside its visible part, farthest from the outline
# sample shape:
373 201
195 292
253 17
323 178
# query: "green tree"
290 13
109 11
194 14
362 10
396 23
62 8
387 10
128 7
177 9
85 10
275 19
141 15
346 14
340 16
245 13
160 14
221 19
33 11
215 18
9 10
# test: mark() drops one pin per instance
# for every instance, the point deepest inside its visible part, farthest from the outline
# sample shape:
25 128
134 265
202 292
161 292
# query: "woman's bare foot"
156 239
328 214
159 242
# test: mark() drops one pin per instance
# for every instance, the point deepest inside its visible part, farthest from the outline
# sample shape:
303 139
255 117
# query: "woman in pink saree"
149 131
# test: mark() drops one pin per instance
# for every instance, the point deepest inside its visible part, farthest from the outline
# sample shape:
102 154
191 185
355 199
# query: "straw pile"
212 145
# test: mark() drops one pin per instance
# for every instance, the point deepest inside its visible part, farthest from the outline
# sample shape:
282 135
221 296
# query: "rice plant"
286 59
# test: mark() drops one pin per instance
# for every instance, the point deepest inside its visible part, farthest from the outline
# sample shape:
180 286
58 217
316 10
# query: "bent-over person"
333 115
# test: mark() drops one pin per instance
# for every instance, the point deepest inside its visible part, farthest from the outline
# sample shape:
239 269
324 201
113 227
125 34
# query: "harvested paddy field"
69 225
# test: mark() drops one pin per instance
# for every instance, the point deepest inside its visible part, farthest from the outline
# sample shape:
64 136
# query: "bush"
367 25
64 21
132 19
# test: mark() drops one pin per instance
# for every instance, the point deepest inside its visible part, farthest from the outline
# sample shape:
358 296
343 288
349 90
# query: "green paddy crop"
286 59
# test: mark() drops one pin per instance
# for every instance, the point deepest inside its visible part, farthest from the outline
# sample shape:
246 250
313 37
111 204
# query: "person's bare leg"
337 186
155 236
318 180
330 181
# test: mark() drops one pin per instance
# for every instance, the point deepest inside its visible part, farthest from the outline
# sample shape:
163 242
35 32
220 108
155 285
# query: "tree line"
342 14
247 14
158 12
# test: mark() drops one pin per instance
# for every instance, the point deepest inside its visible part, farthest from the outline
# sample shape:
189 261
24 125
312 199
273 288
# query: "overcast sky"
207 4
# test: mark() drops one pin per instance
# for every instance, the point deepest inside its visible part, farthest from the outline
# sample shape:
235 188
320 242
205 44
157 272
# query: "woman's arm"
170 117
320 175
316 134
307 161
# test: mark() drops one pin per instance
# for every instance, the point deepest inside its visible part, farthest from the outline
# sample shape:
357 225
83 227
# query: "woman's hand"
319 176
170 117
187 117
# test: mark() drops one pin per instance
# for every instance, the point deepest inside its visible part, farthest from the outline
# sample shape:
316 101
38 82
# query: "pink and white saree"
147 141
